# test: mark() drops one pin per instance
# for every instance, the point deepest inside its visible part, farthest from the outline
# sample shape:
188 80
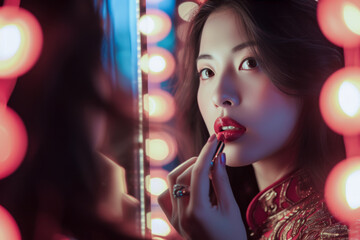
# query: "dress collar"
281 195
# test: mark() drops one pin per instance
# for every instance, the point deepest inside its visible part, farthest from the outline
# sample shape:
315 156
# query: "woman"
253 74
60 191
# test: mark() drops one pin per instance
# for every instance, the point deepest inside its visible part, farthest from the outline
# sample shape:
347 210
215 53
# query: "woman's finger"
200 174
166 200
220 180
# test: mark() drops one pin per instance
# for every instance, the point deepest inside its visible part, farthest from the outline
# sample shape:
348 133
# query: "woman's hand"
193 215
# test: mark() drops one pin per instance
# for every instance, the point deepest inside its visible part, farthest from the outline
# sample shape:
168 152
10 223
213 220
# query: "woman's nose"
225 93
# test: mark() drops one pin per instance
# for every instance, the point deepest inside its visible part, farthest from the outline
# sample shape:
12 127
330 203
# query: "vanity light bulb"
340 101
13 142
340 21
20 41
342 192
8 227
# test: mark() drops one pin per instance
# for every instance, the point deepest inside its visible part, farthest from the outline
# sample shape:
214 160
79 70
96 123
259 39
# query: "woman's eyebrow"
237 48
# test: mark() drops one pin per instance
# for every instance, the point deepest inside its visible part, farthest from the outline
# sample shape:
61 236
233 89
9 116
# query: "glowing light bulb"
20 41
8 226
144 63
186 10
156 25
352 17
340 21
161 64
10 40
340 101
146 25
13 142
160 227
152 106
161 148
157 185
349 98
352 190
158 149
157 63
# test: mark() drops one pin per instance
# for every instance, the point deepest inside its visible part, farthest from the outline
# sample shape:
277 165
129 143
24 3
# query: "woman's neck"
269 170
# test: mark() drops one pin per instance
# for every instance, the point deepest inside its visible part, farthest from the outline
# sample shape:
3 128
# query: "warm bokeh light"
340 21
160 227
158 183
160 105
157 186
186 10
352 190
155 24
157 63
340 101
342 192
10 40
144 63
352 17
13 141
20 41
161 148
161 64
8 227
349 98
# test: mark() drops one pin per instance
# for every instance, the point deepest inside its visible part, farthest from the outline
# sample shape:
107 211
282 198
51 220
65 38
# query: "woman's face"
236 98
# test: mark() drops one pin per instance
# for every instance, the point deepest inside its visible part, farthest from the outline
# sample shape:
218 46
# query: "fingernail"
211 138
223 159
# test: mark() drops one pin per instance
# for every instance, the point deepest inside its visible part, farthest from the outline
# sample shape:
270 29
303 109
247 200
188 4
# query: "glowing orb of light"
160 105
340 21
186 10
144 63
161 148
352 190
342 192
349 98
146 25
160 227
20 41
10 40
340 101
352 17
155 24
157 186
8 227
157 183
157 63
13 141
161 64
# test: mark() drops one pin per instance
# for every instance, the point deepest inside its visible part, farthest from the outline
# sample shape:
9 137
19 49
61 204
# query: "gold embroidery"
307 219
267 202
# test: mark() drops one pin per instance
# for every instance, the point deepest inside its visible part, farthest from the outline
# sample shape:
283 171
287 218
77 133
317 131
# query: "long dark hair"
56 189
295 55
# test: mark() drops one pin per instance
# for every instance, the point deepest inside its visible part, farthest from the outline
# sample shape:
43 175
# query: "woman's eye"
249 63
206 73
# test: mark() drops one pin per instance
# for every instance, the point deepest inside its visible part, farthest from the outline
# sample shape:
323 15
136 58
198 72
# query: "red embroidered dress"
291 209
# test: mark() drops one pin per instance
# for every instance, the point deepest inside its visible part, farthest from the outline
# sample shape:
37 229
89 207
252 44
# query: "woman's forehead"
223 28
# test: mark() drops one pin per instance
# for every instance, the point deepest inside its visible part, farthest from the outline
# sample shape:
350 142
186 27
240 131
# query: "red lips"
228 130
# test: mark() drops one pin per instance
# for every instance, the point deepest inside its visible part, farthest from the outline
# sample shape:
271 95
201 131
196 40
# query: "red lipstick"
228 130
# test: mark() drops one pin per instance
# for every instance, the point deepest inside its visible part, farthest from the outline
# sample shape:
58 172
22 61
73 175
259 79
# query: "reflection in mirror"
83 174
159 26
